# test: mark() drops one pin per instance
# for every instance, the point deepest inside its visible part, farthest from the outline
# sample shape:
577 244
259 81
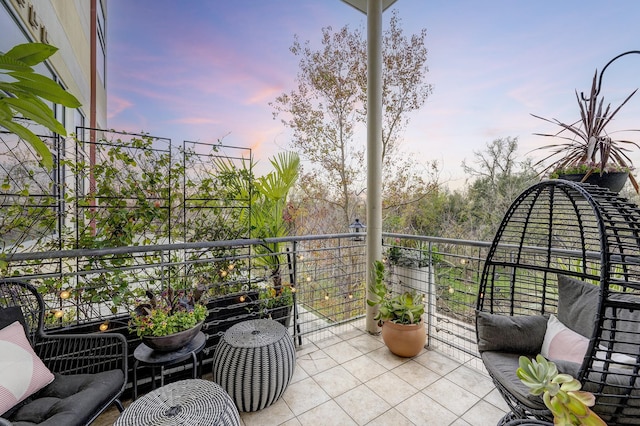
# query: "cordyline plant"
589 148
560 392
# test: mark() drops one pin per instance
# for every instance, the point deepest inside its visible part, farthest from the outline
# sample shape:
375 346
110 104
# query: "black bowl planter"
173 341
613 181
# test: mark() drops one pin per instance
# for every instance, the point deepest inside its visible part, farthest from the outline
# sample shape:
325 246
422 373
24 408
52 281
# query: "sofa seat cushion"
502 367
69 400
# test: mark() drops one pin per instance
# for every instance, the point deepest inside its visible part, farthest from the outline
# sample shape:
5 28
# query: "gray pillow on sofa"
519 334
577 304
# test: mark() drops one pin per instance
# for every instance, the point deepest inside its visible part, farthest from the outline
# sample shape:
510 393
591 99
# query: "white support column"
374 148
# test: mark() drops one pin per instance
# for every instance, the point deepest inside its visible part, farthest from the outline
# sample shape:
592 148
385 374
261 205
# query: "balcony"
341 369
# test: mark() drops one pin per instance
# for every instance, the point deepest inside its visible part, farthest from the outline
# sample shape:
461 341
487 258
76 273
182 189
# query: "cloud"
117 105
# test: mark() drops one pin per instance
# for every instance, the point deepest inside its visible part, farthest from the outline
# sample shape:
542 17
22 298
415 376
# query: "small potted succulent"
588 153
400 316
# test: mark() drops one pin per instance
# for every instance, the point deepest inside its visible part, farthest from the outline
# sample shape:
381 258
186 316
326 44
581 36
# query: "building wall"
65 24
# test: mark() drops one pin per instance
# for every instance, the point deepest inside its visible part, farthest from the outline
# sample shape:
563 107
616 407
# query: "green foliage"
161 321
405 308
560 392
271 298
23 95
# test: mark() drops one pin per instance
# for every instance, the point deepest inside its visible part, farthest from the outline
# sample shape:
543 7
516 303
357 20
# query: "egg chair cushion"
577 304
519 334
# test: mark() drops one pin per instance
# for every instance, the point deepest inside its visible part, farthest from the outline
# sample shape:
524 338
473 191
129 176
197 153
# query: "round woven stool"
187 402
254 363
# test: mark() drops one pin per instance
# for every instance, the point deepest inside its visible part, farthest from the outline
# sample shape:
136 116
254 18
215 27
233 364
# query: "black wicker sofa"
562 278
70 379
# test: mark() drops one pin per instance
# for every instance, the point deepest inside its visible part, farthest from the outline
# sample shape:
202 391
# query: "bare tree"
329 103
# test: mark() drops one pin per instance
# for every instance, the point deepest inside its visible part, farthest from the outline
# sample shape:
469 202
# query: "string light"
243 298
293 289
231 266
350 295
326 296
64 294
451 290
223 273
308 279
58 313
104 326
300 257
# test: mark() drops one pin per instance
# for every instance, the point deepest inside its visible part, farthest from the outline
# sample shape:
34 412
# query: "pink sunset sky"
203 70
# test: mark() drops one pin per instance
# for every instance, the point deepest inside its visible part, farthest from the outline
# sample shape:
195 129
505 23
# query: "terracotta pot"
405 340
173 341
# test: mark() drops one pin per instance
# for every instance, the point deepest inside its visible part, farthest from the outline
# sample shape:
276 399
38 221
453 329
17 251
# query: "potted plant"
589 153
400 316
560 392
276 303
170 320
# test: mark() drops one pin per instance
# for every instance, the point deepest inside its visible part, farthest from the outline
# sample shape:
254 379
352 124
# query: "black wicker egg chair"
571 251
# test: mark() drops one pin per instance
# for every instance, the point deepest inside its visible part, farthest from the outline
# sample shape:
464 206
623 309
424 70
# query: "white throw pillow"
562 343
22 373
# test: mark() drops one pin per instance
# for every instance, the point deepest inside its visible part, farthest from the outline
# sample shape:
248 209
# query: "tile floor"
351 378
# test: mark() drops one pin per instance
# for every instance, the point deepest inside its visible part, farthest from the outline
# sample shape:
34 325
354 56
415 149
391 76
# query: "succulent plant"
560 392
404 308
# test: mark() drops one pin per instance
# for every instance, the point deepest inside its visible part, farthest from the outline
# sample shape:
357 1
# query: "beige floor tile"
336 381
298 374
472 380
437 362
293 422
483 413
329 341
391 417
391 388
366 343
416 374
275 414
384 357
315 362
304 395
342 352
364 368
362 404
448 394
327 414
461 422
422 410
496 399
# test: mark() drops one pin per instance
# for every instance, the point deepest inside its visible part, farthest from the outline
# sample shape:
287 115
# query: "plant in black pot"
588 152
169 320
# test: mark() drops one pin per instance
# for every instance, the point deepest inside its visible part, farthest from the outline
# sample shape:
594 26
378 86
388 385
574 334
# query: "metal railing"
86 289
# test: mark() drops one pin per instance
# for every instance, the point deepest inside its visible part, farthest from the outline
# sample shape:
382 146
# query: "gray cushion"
577 304
69 400
521 334
627 338
11 314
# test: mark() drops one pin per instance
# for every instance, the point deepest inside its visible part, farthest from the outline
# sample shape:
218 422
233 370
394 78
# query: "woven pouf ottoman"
187 402
254 362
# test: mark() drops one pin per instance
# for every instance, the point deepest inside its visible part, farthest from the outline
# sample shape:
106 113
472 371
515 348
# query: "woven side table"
187 402
254 363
